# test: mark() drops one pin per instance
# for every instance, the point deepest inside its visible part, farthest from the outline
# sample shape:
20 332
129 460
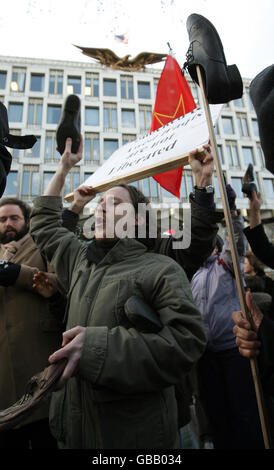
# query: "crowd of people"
187 384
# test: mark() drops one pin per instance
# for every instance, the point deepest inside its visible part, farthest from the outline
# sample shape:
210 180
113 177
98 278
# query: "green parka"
122 395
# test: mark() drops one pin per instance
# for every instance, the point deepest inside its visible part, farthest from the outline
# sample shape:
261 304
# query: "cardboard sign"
164 149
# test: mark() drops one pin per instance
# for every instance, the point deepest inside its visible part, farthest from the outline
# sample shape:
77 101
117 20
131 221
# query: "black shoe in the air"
70 124
222 83
249 182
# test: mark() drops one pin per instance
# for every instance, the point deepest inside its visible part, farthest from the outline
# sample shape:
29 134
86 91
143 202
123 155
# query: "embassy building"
116 108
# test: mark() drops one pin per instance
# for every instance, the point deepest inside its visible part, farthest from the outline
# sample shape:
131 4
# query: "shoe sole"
67 127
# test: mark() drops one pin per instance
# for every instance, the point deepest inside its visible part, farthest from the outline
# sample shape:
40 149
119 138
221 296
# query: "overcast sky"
49 28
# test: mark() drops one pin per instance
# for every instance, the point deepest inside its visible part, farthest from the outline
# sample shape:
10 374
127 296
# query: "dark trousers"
227 392
35 435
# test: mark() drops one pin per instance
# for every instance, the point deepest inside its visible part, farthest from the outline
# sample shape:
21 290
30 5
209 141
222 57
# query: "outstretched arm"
46 225
255 234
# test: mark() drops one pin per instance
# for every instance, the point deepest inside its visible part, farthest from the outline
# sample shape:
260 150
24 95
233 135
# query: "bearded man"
29 331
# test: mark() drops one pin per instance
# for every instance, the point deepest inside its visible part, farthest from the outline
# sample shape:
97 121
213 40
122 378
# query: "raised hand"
82 196
68 159
202 165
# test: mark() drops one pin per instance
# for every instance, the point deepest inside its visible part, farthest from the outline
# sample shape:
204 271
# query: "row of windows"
92 150
91 147
267 186
229 126
91 115
30 184
74 84
233 158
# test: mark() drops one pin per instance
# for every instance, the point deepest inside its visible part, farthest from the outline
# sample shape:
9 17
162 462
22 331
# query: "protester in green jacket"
117 390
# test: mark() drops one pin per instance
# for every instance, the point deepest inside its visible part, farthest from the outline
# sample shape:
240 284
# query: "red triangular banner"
173 99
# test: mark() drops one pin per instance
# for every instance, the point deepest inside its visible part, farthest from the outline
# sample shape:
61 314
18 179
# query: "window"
268 188
92 116
216 129
220 153
150 187
239 103
109 87
249 102
53 114
126 88
92 148
236 184
3 77
72 181
37 82
110 116
48 175
109 147
87 175
92 85
228 125
15 112
232 153
126 138
50 147
242 125
255 127
135 184
155 86
217 188
144 90
261 156
145 116
194 92
74 85
35 112
35 150
248 155
56 82
128 118
186 185
167 194
18 79
12 184
30 181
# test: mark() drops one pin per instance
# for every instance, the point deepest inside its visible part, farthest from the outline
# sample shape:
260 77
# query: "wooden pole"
234 253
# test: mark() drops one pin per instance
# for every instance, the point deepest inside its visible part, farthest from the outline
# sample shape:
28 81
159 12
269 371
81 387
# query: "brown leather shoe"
38 389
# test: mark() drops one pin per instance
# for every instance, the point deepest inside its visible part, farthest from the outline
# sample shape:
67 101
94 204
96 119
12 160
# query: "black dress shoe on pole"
69 125
262 96
222 83
9 140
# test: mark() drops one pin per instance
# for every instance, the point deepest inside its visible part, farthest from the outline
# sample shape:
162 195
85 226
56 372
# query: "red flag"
173 99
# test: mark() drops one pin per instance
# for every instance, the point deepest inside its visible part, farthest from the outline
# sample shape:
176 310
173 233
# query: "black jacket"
260 245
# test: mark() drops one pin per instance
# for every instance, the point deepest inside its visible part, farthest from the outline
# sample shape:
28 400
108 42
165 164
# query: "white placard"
157 151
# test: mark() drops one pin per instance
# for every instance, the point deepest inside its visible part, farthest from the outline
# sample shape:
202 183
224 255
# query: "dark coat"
29 332
123 394
260 245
